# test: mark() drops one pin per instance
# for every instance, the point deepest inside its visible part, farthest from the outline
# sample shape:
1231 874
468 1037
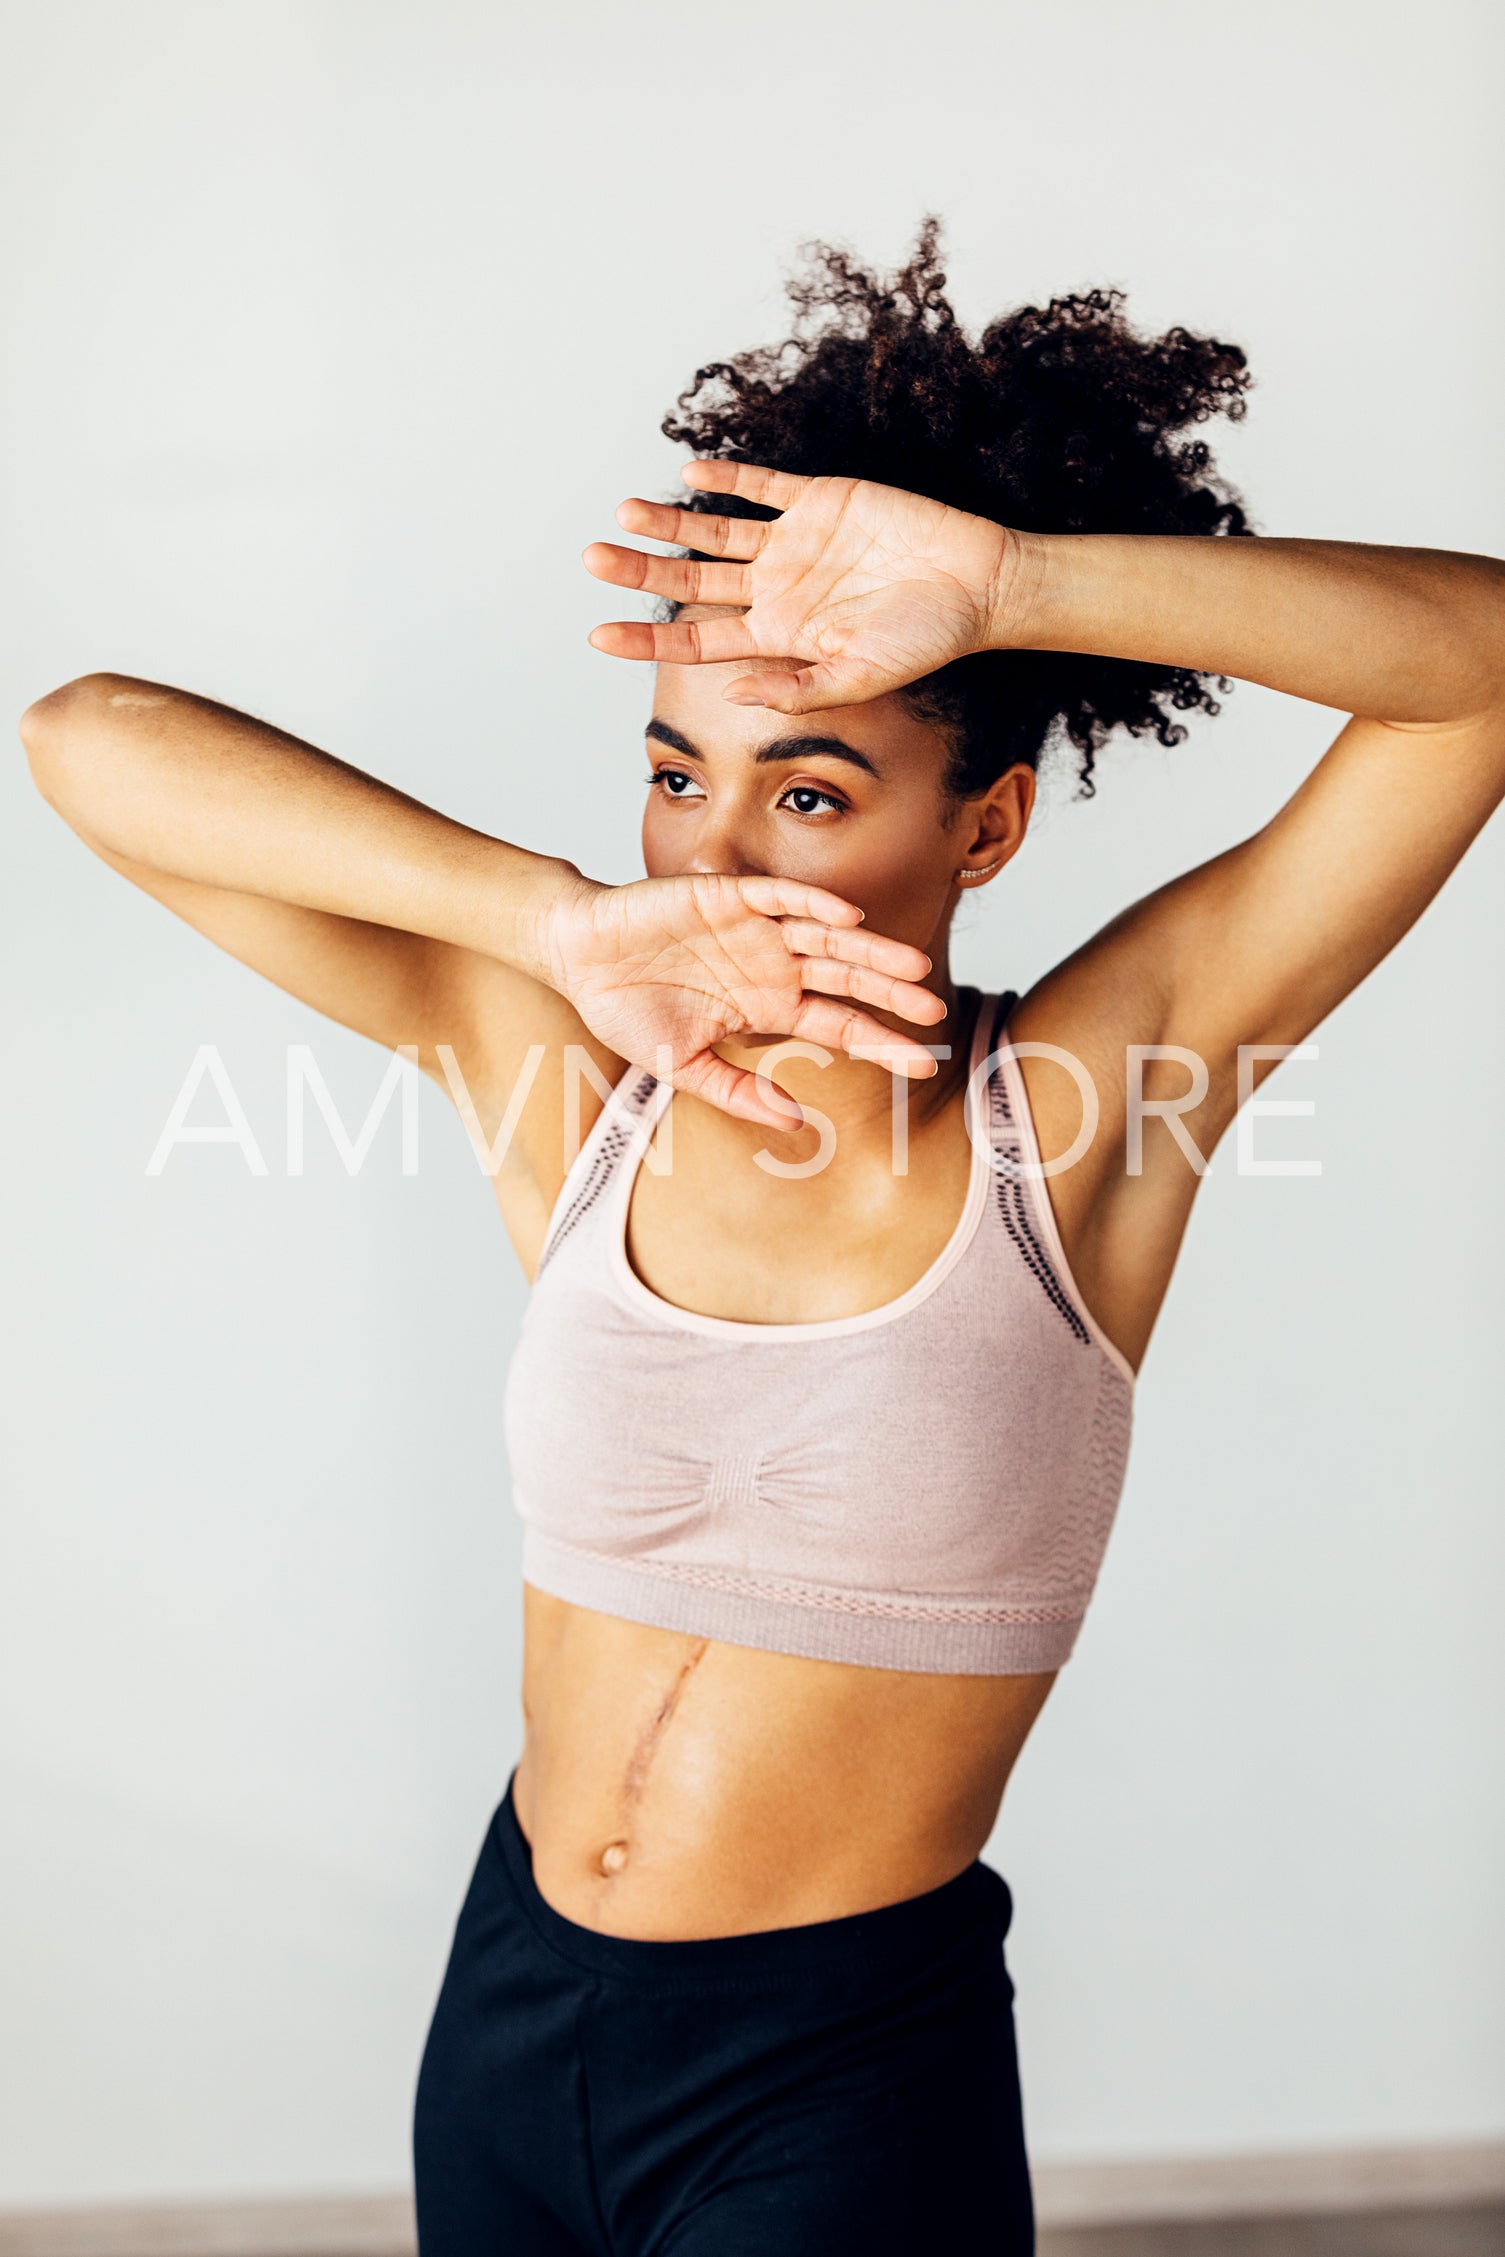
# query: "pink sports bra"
927 1486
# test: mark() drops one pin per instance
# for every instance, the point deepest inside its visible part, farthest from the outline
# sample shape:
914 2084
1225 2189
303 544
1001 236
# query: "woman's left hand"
861 587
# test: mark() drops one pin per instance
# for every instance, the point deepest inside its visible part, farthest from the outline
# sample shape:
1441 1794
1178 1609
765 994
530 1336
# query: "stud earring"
970 877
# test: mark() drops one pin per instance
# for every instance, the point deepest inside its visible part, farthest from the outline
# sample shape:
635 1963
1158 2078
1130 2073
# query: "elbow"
56 724
43 722
41 726
58 733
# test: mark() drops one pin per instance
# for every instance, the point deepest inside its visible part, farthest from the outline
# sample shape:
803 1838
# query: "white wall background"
334 331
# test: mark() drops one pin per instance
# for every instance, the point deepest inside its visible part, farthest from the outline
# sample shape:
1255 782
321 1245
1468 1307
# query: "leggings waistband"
885 1939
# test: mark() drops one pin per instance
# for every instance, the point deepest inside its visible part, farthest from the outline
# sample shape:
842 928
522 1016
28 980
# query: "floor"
1396 2233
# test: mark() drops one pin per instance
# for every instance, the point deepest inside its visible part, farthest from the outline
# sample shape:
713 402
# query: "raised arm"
412 928
862 588
1259 944
1256 946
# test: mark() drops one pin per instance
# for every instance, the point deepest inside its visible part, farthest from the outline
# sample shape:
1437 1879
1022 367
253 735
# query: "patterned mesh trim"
830 1602
614 1142
1009 1184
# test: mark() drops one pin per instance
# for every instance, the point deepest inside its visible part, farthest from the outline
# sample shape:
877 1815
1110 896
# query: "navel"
613 1858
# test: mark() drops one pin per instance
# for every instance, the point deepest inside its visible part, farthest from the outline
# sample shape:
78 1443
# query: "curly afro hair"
1060 419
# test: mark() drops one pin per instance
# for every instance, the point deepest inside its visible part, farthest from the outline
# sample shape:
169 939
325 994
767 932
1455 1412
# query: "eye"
676 783
806 800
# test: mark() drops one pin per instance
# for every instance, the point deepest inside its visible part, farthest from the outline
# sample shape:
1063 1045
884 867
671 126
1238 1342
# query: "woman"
819 1417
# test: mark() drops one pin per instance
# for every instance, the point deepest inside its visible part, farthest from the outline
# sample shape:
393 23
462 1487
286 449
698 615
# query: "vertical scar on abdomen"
642 1754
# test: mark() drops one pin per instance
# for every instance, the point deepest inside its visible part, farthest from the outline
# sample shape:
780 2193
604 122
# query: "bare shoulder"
1074 1027
1077 1031
529 1081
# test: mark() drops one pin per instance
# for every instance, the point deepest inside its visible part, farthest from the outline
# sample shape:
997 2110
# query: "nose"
723 866
721 851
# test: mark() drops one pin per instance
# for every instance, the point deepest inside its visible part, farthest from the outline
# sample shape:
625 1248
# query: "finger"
736 1091
841 1026
742 537
682 642
791 897
676 576
877 989
778 488
807 689
896 957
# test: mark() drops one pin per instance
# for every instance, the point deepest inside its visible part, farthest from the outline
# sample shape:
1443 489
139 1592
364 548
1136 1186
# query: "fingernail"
742 697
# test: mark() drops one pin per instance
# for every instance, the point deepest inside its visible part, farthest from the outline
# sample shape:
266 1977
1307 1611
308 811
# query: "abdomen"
674 1786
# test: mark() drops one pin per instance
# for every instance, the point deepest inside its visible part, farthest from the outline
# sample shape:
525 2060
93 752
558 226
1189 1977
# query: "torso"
747 1789
674 1786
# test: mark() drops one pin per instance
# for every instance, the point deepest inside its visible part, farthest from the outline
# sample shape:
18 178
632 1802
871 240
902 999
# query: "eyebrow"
776 749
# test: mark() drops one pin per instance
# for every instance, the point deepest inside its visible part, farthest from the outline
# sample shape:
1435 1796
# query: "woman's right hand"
665 968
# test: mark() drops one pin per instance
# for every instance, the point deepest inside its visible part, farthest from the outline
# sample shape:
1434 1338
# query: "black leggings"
848 2085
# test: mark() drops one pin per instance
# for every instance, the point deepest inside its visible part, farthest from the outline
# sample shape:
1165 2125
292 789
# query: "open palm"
864 587
663 969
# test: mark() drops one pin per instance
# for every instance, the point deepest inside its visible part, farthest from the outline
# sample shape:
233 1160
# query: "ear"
992 827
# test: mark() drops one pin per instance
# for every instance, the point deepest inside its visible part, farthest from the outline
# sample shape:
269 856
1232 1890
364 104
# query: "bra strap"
999 1121
628 1116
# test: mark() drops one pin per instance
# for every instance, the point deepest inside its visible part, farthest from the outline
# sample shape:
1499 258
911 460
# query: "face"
851 798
